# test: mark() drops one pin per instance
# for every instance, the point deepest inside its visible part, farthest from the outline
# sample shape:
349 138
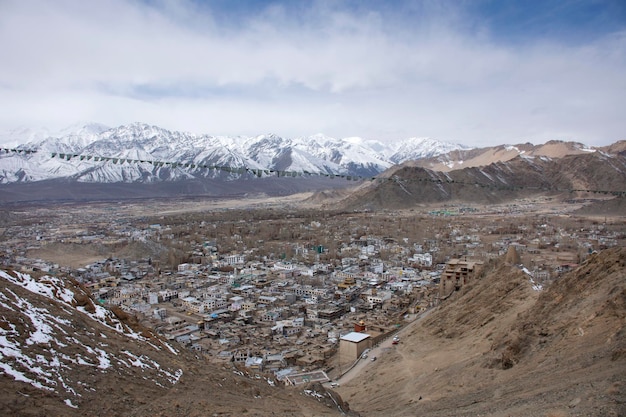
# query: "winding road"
385 346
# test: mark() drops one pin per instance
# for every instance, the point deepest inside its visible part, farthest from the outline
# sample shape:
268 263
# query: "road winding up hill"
503 346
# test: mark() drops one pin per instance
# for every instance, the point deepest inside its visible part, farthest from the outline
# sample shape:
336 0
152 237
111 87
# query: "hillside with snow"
63 354
60 341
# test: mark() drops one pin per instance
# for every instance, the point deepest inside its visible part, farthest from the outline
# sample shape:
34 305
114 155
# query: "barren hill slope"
63 355
500 347
503 181
467 158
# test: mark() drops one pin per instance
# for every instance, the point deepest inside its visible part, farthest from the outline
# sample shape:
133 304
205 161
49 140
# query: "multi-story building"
456 274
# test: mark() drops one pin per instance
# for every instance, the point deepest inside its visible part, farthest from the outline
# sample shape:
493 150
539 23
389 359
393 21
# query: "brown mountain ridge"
467 158
573 176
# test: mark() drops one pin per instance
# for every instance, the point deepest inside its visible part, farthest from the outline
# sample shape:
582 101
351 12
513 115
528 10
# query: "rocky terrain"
63 355
586 175
468 158
503 346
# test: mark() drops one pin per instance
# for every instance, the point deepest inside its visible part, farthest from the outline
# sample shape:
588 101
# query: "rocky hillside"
523 176
63 355
467 158
504 346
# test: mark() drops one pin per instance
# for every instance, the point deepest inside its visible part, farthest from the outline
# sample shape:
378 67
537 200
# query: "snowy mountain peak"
320 138
138 129
143 142
421 147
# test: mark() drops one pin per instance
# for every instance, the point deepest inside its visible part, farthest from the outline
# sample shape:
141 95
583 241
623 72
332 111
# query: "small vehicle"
373 358
334 384
395 342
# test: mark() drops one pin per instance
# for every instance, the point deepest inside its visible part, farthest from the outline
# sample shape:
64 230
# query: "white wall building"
423 259
236 259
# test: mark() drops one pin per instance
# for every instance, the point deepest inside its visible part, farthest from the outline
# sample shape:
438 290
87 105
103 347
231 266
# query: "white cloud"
326 69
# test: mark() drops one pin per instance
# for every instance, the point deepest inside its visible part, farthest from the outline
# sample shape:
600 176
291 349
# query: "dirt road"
378 351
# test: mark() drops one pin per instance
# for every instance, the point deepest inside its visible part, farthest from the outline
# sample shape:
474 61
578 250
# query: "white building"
236 259
423 259
153 298
377 267
184 267
377 297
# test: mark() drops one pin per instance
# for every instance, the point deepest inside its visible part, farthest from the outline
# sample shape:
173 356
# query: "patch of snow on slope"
452 164
51 287
144 362
535 286
68 402
33 340
584 148
486 175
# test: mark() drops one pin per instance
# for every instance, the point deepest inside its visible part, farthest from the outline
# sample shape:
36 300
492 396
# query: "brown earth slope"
468 158
499 347
566 177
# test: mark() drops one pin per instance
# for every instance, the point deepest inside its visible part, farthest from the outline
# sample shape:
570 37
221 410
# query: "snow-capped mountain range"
137 142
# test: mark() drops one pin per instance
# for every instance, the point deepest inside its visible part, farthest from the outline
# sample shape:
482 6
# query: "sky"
473 72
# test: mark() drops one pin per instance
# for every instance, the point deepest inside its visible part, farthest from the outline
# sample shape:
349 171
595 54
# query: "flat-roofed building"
352 345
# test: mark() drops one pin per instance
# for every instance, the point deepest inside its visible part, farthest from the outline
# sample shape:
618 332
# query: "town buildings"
281 294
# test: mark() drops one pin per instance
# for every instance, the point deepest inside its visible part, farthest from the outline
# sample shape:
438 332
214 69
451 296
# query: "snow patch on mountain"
418 148
42 349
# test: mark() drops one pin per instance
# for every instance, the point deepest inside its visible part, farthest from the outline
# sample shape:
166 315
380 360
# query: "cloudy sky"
466 71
